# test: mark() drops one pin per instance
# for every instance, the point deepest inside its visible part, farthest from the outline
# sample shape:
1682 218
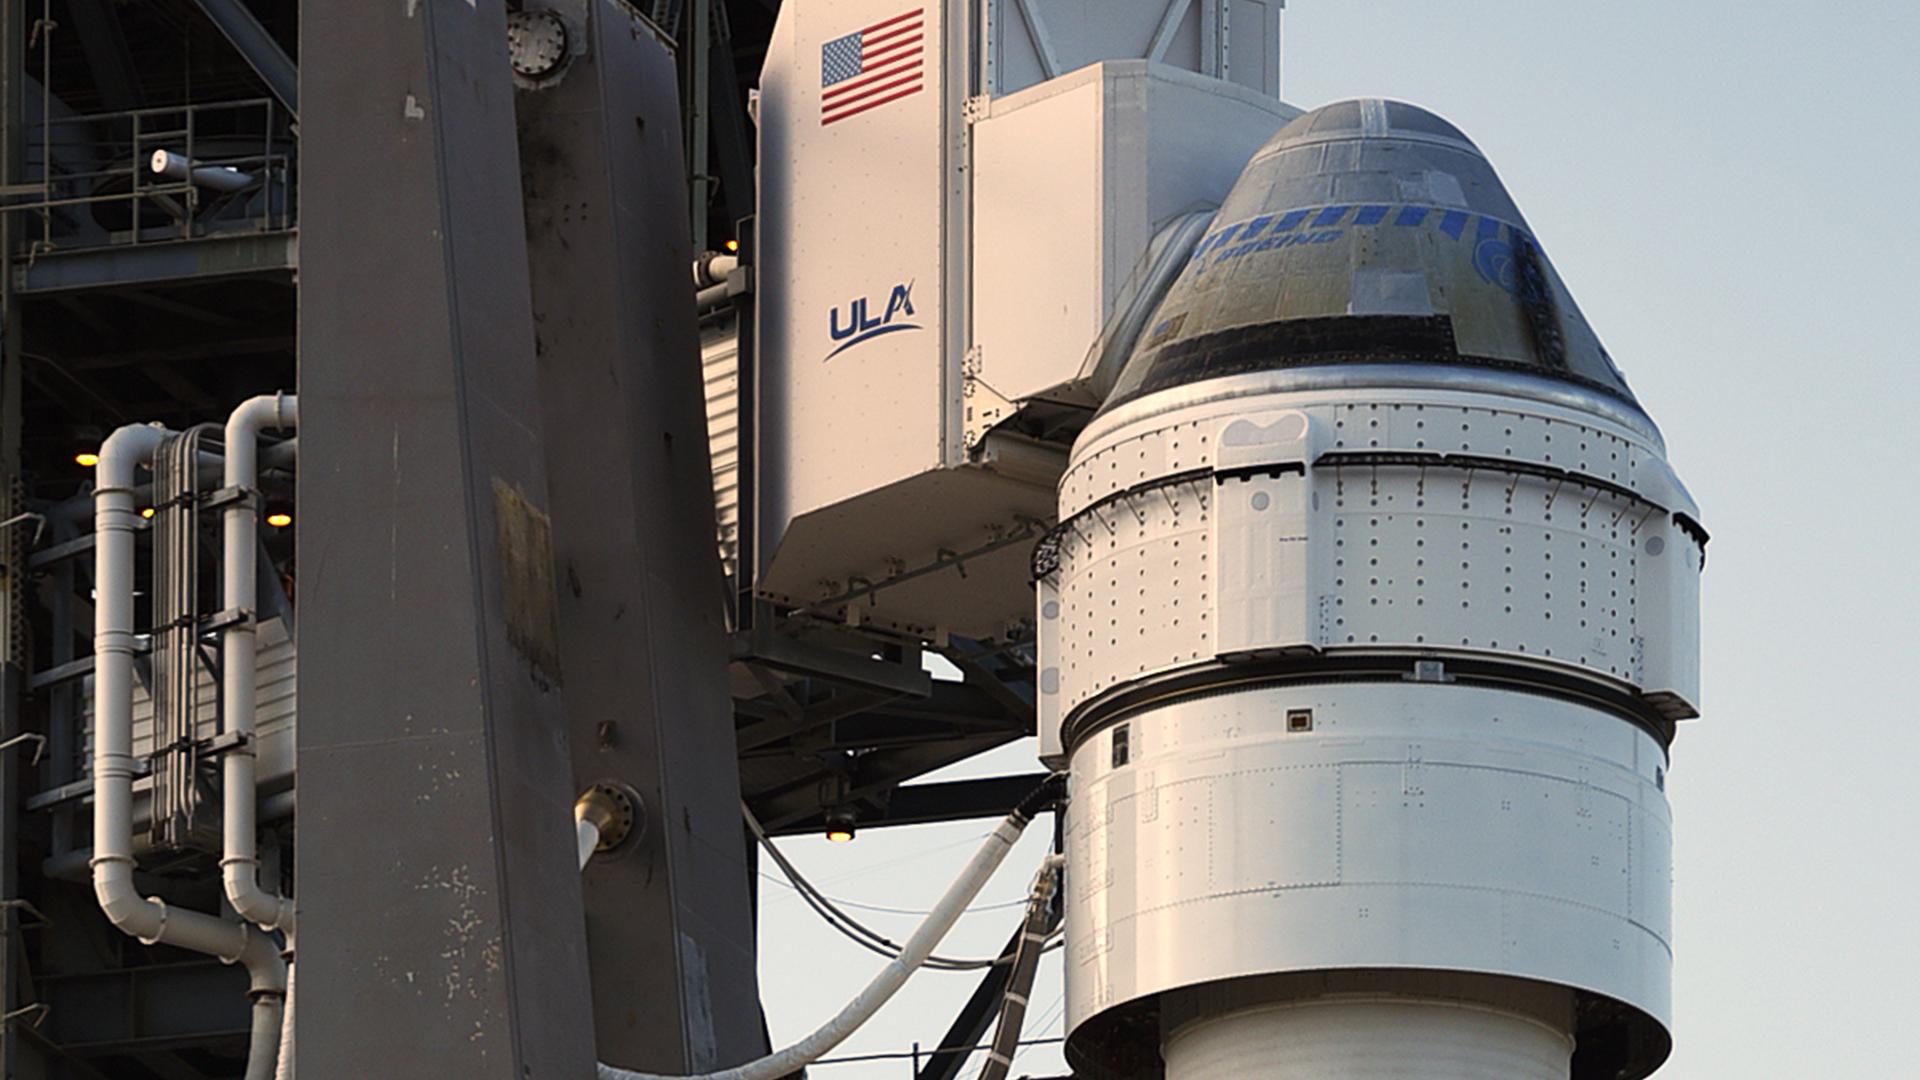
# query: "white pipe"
884 985
588 836
240 862
713 268
263 1049
283 1069
149 919
218 177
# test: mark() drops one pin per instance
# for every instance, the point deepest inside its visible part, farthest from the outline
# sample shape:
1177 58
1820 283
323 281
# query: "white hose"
588 835
283 1069
884 985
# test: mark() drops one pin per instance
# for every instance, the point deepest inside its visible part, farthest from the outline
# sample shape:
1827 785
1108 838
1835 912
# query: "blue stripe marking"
1214 242
871 334
1330 216
1371 215
1255 226
1488 229
1453 223
1291 220
1411 216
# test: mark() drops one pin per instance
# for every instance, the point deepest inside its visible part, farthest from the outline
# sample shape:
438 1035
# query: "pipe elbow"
265 412
123 452
123 905
265 962
278 411
250 901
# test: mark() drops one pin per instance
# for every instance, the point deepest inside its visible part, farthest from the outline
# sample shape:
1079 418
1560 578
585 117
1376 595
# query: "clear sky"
1727 188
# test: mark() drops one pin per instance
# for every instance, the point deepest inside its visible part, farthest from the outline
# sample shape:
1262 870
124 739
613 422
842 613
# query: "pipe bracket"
241 619
231 495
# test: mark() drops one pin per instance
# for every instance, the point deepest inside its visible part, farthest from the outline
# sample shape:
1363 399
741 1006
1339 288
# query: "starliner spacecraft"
1371 608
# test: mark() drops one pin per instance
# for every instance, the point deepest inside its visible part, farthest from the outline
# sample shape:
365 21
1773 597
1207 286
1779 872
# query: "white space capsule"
1372 607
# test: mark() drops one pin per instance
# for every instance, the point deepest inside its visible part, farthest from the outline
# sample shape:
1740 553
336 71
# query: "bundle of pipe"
150 919
174 651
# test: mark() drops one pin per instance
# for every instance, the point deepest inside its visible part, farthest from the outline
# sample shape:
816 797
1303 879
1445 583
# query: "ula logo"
860 323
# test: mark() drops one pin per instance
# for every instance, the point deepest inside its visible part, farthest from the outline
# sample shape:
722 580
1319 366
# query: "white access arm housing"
936 271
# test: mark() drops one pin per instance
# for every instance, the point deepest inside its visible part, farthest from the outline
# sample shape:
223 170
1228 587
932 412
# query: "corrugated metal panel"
274 712
720 360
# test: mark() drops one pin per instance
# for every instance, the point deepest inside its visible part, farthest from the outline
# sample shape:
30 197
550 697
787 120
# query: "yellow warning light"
86 459
733 245
146 511
280 519
840 836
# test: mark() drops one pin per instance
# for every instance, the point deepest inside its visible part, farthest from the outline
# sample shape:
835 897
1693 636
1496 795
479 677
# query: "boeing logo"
861 325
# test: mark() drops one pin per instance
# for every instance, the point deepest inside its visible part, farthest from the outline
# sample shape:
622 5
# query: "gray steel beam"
13 546
439 898
876 772
152 1007
257 48
642 637
923 804
164 262
765 645
699 54
168 1066
729 129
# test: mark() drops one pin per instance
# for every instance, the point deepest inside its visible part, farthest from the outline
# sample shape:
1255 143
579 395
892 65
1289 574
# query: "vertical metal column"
439 901
700 119
13 550
642 633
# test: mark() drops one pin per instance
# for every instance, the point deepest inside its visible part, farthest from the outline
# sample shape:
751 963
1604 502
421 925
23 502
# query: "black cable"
860 934
1047 795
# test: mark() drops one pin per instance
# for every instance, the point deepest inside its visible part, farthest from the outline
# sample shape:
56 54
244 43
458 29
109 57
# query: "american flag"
868 68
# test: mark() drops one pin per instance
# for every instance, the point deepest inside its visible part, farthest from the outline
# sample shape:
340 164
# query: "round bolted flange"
616 810
536 43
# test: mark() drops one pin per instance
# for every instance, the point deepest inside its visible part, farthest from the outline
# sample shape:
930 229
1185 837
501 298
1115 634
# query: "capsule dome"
1368 232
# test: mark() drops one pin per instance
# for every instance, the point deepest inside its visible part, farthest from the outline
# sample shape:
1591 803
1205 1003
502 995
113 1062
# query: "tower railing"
96 185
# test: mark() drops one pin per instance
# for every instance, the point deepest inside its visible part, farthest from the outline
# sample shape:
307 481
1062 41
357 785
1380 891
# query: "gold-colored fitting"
614 809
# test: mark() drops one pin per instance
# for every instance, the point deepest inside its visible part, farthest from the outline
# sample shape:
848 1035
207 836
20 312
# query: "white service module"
1364 632
936 183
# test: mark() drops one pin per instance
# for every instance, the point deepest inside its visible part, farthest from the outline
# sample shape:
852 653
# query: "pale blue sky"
1726 188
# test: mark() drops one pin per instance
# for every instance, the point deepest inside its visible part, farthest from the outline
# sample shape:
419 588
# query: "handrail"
159 208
